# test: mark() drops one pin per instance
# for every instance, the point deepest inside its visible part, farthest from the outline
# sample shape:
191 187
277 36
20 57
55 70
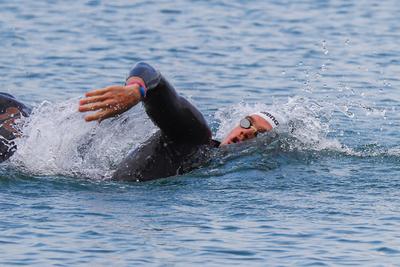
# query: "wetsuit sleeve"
177 118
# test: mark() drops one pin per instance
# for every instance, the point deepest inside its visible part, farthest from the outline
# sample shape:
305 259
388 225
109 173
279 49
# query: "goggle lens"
245 123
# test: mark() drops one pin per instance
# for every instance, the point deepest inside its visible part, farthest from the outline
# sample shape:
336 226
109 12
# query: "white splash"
57 141
307 121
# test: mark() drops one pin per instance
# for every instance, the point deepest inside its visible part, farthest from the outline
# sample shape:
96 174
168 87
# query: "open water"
325 194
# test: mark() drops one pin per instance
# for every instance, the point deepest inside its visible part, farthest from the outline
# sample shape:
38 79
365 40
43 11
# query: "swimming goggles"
247 123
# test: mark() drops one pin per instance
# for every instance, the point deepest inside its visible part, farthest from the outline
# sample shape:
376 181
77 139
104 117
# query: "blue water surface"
326 194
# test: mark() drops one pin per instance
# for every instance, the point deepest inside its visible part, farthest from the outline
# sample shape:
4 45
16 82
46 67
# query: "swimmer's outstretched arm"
178 119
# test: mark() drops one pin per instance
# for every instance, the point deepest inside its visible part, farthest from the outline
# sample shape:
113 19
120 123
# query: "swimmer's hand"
110 101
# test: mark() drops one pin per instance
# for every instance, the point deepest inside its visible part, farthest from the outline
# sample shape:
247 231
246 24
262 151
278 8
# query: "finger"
101 115
107 114
96 106
95 116
92 99
100 91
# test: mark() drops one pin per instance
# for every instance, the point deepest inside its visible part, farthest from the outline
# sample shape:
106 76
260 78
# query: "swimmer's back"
183 132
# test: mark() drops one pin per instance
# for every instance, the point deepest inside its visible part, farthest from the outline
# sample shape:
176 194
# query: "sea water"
326 193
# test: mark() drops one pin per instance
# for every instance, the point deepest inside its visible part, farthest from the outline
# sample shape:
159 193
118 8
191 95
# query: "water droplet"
324 49
350 114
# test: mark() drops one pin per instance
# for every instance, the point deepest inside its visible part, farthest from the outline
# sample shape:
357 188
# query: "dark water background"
327 194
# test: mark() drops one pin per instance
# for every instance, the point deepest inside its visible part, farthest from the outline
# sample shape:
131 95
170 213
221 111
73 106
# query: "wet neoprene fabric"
181 141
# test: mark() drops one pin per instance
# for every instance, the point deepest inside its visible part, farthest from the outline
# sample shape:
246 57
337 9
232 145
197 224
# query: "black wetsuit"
183 138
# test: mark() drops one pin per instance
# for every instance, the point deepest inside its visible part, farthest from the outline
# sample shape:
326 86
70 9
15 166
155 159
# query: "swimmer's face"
240 134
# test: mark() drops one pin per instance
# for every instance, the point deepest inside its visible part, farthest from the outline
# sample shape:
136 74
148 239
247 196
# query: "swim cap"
272 118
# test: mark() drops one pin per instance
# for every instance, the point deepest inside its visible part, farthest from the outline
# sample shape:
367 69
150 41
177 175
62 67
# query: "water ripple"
325 194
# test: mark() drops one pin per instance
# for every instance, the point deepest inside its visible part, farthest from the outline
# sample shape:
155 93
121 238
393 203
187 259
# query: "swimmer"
183 129
173 150
11 110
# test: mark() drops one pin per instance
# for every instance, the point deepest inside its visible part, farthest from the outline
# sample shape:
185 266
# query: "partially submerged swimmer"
172 150
11 110
183 129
